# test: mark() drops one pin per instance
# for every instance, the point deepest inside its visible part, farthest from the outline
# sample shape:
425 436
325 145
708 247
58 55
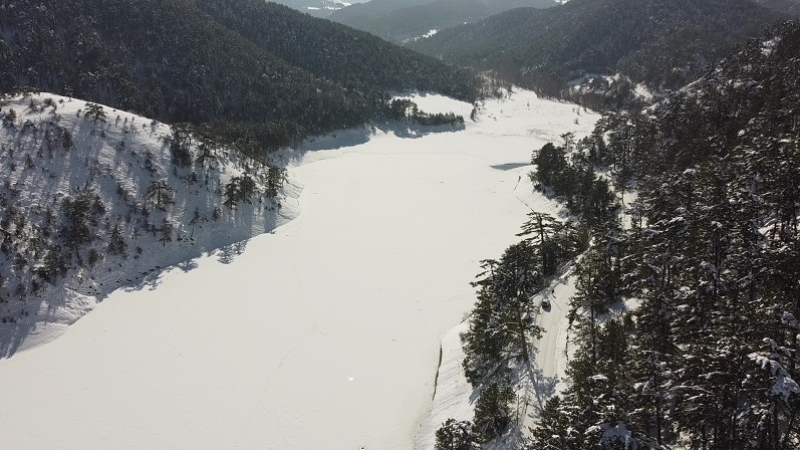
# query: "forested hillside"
260 75
408 23
94 199
316 8
404 21
664 43
708 357
372 9
686 318
784 6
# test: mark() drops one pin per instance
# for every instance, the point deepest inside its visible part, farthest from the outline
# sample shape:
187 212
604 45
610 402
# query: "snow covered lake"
323 334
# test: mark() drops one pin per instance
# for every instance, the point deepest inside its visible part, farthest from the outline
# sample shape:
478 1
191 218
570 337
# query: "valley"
325 330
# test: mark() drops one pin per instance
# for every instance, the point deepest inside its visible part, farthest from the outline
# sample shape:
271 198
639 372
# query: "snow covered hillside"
324 333
94 199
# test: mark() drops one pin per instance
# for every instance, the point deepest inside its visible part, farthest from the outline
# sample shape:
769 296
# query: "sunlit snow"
324 334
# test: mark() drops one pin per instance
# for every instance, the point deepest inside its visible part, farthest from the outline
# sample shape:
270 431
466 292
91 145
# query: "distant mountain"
663 43
409 23
791 7
358 12
316 8
258 74
398 22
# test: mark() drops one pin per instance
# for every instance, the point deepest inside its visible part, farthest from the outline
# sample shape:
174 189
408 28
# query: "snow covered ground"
323 334
117 158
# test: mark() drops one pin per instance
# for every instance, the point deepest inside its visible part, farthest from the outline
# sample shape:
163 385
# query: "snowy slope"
52 150
322 334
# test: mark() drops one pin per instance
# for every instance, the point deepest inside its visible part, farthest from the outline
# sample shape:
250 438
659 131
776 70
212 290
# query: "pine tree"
486 342
166 232
160 194
455 435
116 243
493 410
79 211
554 429
179 146
276 177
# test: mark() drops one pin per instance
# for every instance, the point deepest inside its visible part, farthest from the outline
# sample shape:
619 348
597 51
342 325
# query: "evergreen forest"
254 74
686 321
661 43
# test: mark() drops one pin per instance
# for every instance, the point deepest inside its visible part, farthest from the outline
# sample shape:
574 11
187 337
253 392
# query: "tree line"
253 74
686 320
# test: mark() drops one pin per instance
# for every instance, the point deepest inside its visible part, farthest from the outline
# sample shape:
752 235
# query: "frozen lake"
323 334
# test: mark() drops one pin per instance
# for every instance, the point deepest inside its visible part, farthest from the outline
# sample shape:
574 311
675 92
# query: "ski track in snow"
324 333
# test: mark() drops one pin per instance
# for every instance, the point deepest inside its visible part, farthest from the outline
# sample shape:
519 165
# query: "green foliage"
574 182
253 74
166 232
708 358
555 242
276 177
80 212
404 109
504 316
664 43
116 242
400 108
54 264
493 413
486 342
9 117
160 194
553 429
411 22
95 112
502 323
94 257
239 189
179 146
453 435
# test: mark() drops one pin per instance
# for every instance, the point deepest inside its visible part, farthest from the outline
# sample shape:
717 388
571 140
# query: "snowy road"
324 334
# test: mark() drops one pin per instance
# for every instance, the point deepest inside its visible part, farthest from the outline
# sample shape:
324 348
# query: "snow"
767 47
643 92
112 153
326 331
455 398
454 395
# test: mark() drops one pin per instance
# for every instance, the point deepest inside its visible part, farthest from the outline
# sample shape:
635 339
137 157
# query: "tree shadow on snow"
228 253
21 319
533 390
12 335
358 136
539 389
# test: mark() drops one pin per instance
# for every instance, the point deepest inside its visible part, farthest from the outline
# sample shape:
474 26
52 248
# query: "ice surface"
322 334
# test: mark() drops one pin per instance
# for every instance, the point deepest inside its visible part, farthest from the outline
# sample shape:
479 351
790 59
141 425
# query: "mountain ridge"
547 48
403 21
177 62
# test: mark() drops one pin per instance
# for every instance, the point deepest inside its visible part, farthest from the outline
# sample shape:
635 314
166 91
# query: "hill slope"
399 22
408 23
316 8
661 42
707 357
304 338
261 75
95 198
372 9
355 60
